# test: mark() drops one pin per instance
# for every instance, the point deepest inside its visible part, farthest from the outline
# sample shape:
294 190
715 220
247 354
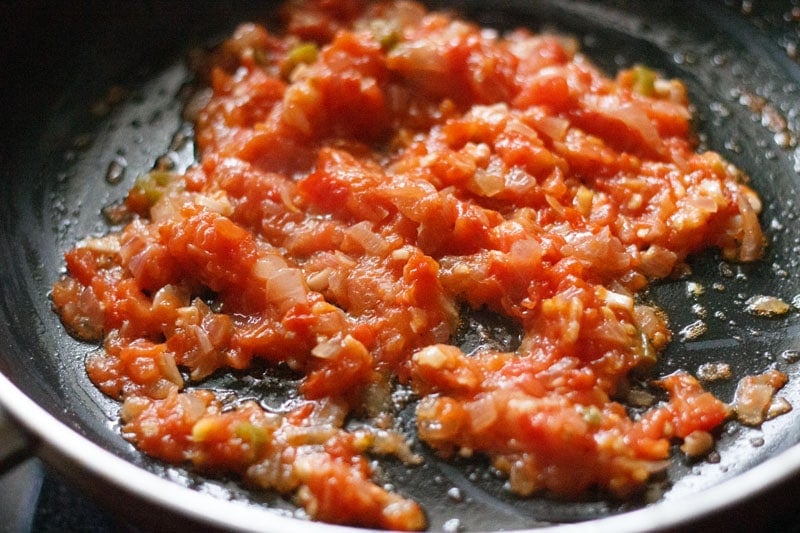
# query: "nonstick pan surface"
93 97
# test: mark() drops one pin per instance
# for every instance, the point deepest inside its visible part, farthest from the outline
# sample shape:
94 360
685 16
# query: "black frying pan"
62 133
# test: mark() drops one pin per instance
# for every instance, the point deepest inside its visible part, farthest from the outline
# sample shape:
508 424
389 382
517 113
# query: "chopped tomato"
365 173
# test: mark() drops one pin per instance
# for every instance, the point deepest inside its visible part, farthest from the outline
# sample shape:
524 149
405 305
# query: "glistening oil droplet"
790 356
116 170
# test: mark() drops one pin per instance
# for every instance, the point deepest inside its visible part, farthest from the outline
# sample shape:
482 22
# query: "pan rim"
215 512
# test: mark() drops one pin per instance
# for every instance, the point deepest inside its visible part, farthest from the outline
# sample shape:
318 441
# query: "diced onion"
482 412
203 342
371 242
267 265
488 184
616 300
554 127
630 114
761 305
318 281
697 443
327 349
106 245
286 287
752 244
217 203
754 396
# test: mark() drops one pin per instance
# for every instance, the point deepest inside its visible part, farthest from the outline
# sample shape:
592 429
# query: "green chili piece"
254 435
385 33
644 80
592 415
303 53
153 184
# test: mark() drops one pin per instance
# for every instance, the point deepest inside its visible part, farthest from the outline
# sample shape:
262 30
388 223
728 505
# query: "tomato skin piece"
320 21
172 418
348 370
327 188
420 275
691 407
140 367
83 264
345 187
338 494
552 92
79 308
219 254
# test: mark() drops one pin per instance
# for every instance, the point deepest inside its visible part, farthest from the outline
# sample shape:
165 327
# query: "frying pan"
92 97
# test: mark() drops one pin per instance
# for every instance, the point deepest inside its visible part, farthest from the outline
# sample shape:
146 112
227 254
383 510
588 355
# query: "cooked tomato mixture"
367 172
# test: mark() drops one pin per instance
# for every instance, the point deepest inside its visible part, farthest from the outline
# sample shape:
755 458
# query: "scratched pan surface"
72 145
